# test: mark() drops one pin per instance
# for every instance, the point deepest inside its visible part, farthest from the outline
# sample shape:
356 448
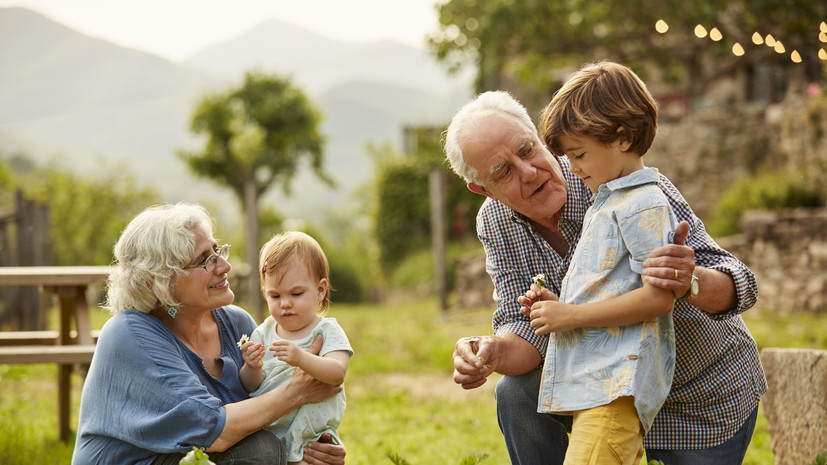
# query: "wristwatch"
694 288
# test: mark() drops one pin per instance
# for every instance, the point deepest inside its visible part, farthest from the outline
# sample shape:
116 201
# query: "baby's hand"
253 354
288 352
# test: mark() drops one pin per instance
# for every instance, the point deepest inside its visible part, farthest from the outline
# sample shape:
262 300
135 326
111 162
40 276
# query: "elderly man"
530 224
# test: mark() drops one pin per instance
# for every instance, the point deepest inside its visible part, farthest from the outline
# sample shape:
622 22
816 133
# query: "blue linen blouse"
147 393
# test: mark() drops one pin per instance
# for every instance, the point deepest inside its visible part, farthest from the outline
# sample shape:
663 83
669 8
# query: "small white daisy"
539 280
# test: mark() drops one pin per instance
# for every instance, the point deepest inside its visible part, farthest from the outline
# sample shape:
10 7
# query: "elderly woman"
165 376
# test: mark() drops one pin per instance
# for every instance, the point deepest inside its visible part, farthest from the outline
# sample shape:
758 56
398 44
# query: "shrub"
766 191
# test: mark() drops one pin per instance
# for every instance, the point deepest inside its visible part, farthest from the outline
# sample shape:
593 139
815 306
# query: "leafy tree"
525 44
87 215
257 137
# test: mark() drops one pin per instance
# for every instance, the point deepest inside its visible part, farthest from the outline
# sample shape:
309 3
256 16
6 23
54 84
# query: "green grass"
402 402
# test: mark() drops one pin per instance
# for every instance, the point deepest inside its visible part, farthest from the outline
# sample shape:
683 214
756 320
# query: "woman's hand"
324 452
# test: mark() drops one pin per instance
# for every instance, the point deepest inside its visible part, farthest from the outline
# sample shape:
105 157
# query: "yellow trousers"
609 434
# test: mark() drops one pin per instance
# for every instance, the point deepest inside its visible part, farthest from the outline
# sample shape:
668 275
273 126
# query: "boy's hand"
534 295
253 354
288 352
552 317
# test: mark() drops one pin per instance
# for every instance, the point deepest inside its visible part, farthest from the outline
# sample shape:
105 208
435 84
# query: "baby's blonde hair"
295 247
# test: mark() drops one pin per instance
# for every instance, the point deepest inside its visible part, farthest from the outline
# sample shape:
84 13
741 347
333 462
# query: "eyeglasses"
210 262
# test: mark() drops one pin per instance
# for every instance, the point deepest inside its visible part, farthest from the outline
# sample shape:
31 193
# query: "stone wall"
787 251
796 403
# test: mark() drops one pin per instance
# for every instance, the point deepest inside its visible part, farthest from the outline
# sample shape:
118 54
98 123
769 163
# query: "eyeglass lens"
212 261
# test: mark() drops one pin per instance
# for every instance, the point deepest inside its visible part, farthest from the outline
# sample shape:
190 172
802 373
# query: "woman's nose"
221 264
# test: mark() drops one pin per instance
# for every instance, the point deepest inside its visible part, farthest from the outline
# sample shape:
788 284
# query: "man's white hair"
496 102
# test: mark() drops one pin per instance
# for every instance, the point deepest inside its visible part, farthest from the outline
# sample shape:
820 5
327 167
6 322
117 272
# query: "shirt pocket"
598 250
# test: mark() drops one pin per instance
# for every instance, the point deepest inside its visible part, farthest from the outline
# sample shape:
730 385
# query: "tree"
257 137
528 44
86 215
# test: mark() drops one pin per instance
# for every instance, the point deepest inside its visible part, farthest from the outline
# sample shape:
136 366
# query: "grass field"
401 399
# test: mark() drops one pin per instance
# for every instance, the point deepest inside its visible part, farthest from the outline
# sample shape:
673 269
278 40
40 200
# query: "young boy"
296 284
613 380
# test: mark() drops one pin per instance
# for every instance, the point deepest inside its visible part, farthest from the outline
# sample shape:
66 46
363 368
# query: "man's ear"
477 189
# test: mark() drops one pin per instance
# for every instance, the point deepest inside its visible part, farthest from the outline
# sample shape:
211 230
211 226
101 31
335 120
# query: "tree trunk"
253 286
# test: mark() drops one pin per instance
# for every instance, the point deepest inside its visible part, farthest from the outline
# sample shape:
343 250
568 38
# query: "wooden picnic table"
69 284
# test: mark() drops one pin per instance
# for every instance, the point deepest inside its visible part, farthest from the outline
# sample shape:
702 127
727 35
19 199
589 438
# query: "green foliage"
403 217
259 133
766 191
470 460
87 215
821 459
509 41
196 456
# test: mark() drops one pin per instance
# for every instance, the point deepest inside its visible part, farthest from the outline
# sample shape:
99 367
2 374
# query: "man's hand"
671 266
475 358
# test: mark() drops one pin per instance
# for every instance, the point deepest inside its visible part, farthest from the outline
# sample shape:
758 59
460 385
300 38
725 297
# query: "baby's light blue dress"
308 422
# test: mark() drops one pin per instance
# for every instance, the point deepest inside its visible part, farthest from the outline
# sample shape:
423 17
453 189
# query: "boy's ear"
623 141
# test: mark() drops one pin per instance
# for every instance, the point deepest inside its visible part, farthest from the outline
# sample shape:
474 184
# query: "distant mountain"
66 95
317 63
62 92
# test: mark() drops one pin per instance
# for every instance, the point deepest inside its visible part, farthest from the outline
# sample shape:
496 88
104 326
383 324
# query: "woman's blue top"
146 393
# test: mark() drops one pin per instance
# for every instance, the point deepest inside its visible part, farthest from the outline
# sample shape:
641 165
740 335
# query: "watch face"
694 286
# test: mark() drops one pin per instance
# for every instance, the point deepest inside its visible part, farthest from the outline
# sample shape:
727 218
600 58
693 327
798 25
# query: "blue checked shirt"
718 376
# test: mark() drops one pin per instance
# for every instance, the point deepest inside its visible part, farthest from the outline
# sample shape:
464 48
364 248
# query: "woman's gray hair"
497 101
151 252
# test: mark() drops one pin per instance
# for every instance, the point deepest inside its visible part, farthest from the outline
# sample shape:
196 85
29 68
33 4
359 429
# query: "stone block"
795 404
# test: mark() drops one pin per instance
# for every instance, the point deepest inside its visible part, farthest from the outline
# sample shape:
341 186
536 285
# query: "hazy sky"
176 29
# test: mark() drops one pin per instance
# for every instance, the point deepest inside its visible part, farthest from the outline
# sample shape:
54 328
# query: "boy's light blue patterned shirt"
590 367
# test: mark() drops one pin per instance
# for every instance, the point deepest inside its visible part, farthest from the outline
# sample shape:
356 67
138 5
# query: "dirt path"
424 385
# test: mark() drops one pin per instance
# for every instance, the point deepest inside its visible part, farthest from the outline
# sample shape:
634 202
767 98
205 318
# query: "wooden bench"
68 354
65 347
37 338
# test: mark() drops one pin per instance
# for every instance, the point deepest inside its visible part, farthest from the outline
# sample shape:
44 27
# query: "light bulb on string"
757 39
700 31
822 27
737 49
795 57
822 55
822 36
779 47
715 34
770 40
661 26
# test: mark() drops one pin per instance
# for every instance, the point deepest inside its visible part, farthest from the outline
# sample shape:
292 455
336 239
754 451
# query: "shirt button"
633 357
